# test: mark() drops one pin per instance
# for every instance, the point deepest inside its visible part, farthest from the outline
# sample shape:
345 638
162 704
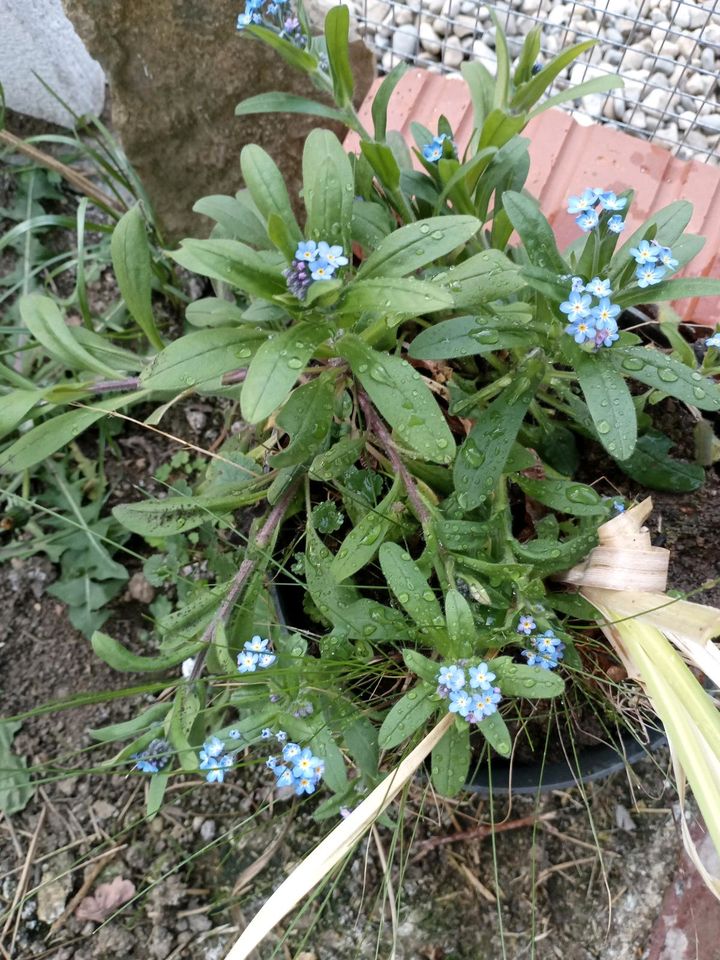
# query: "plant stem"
108 386
245 571
382 433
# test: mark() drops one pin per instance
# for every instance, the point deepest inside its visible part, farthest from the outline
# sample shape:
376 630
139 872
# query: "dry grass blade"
624 579
334 847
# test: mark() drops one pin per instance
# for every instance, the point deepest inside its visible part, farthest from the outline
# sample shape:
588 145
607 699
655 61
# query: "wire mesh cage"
666 51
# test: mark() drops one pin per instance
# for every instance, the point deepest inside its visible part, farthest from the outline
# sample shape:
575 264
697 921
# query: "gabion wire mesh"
666 51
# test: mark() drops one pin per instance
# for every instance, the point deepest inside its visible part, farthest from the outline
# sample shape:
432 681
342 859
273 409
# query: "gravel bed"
667 51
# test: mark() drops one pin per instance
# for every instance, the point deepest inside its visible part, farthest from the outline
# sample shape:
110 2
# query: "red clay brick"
566 157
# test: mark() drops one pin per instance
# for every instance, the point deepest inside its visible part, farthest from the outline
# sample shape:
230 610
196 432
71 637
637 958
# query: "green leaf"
275 368
665 226
413 593
45 322
361 740
651 466
287 103
233 262
526 95
483 455
365 539
469 336
535 232
383 162
337 28
130 252
402 398
334 463
671 290
460 624
328 188
213 312
164 518
532 683
396 297
407 715
235 217
199 360
564 496
370 224
480 279
307 416
425 668
502 69
548 556
382 98
495 731
156 793
16 788
323 745
131 728
53 434
609 402
120 658
15 406
418 244
331 599
184 714
267 187
300 59
596 85
664 373
450 761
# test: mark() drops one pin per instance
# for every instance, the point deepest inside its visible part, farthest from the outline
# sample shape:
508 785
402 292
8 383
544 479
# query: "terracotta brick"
566 157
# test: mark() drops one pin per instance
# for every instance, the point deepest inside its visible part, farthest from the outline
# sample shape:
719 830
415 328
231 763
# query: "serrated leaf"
402 398
275 368
450 761
407 715
609 402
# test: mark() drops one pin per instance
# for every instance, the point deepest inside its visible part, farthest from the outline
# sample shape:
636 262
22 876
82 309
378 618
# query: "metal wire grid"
667 52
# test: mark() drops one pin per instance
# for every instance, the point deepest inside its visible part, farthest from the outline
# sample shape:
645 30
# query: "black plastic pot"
593 763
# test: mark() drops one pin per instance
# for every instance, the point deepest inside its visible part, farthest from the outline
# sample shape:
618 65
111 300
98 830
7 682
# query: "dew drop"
667 375
633 363
603 427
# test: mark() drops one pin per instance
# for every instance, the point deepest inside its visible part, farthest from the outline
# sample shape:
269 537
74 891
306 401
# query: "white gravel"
667 51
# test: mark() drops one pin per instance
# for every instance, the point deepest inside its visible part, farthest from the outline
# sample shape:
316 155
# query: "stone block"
177 69
38 40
